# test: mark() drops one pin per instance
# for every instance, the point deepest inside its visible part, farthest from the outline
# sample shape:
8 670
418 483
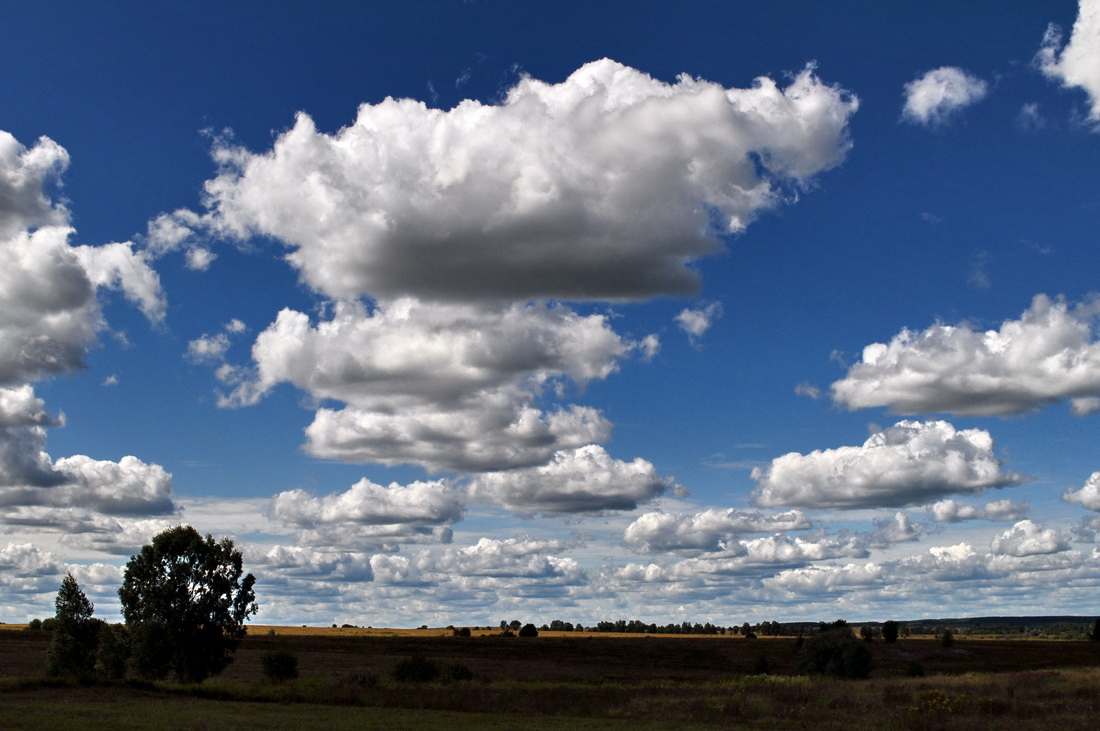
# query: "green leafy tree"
75 636
185 599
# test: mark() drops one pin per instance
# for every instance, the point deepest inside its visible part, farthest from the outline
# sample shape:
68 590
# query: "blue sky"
455 312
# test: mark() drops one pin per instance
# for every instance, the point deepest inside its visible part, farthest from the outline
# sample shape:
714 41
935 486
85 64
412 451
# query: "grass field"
575 682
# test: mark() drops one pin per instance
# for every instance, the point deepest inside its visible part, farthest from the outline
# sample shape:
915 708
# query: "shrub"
457 671
948 638
890 631
762 667
280 665
35 625
835 651
529 630
417 669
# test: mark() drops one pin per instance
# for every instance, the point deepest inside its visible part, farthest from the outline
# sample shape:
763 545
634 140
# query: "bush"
890 631
835 651
417 669
457 671
529 630
280 665
948 638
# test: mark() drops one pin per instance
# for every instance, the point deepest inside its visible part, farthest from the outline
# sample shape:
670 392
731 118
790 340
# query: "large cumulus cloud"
909 463
1049 354
601 187
49 317
1077 63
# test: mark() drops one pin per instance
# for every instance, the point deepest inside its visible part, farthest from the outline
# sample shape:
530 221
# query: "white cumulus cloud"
584 480
907 464
714 529
603 186
1077 64
1049 354
950 511
1088 496
1028 539
936 95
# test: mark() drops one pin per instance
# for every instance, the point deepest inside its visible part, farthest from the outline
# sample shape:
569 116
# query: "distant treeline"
1065 627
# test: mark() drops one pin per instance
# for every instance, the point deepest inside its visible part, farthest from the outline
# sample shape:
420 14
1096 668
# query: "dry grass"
578 682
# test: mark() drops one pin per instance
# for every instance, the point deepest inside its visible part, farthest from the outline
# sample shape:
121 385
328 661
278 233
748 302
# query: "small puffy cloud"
1077 64
809 390
713 529
521 557
1051 353
934 97
907 464
367 503
584 480
602 187
1088 496
949 511
296 562
208 348
898 529
1027 539
697 321
371 515
126 487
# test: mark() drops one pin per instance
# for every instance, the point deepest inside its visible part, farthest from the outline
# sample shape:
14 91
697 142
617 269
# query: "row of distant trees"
1059 629
185 599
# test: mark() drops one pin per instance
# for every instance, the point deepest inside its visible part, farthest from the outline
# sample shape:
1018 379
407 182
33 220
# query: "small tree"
1095 634
529 630
72 648
890 631
185 604
867 633
947 639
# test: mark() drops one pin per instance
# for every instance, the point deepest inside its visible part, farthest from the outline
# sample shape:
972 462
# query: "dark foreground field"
579 683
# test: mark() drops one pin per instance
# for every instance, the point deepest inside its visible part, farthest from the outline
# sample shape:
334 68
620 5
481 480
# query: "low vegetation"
579 682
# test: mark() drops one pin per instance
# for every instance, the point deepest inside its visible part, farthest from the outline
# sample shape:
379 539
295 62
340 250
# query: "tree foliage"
890 631
75 636
185 600
834 650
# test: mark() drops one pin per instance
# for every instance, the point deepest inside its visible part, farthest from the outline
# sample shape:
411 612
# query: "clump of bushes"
529 630
280 665
420 669
834 650
417 669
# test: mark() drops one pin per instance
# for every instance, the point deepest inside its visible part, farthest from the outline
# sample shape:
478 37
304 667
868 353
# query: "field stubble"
579 682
